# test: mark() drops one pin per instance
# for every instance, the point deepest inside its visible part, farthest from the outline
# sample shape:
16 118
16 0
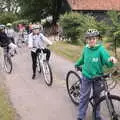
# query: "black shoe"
33 77
79 119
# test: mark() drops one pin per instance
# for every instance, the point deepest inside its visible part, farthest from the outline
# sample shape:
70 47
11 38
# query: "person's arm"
105 58
80 61
46 40
30 41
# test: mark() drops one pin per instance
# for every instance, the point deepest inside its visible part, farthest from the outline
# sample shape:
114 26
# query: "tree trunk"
56 10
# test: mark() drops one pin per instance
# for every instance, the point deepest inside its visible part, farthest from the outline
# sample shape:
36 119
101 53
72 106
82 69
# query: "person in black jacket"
5 42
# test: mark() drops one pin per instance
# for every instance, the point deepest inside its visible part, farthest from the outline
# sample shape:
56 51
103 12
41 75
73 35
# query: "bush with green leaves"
22 21
7 17
114 27
75 25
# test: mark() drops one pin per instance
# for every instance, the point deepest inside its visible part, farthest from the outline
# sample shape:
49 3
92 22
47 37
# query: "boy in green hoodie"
94 57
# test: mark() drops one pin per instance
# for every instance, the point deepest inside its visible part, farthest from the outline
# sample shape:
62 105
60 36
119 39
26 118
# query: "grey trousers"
86 87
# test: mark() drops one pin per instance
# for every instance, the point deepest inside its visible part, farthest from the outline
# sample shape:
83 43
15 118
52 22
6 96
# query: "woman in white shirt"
36 42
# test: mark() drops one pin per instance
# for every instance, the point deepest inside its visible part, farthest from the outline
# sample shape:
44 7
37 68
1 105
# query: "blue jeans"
86 87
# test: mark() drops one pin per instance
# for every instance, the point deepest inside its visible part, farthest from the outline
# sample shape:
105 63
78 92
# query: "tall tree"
9 5
37 9
56 10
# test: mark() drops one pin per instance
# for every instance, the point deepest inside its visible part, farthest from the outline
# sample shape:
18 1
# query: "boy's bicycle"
109 104
44 67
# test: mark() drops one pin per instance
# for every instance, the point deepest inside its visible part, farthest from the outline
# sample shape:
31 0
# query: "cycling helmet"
8 24
34 26
92 33
2 26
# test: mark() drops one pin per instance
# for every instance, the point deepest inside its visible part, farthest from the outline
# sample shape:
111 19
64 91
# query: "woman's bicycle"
44 67
109 104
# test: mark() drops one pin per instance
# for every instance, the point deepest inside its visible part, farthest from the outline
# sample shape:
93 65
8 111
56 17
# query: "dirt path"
32 99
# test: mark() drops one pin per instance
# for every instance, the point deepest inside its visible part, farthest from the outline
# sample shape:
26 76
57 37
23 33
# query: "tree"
35 10
9 5
57 4
114 29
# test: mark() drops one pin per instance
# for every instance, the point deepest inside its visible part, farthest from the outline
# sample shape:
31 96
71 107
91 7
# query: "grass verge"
69 51
7 112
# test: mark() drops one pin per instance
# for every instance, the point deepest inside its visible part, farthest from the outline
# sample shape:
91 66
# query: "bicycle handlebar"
108 75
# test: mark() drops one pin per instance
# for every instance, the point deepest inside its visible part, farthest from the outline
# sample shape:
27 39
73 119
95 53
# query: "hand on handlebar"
78 68
112 59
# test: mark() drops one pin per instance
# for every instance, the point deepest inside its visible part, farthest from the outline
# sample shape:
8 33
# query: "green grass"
73 52
68 51
7 112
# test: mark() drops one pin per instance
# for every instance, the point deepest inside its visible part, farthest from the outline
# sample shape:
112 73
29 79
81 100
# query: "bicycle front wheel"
7 63
19 43
108 111
47 73
73 83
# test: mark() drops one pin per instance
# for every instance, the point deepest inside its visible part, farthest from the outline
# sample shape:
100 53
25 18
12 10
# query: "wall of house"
98 14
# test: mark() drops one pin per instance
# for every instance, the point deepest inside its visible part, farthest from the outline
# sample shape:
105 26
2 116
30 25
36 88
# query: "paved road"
32 99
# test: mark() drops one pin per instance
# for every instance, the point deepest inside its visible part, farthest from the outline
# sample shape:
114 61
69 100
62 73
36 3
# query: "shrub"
22 21
7 17
76 24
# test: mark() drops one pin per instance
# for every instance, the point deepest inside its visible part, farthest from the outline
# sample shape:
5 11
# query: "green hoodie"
92 61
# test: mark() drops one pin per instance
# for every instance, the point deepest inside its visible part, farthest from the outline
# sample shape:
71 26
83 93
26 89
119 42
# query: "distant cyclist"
10 32
5 41
36 42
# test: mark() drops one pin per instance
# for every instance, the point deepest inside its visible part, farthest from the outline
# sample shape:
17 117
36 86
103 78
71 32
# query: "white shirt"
10 32
38 41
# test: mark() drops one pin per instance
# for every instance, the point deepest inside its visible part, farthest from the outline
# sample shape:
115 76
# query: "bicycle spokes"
75 91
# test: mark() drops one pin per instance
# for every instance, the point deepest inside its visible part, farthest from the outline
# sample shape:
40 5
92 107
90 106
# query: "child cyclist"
94 57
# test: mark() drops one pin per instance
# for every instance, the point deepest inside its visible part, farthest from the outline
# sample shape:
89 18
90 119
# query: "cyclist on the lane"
5 42
10 32
36 42
94 57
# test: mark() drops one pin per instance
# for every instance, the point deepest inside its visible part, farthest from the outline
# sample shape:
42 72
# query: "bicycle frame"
42 59
107 98
41 56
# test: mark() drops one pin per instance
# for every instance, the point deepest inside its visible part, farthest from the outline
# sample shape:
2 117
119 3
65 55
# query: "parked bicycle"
109 104
44 67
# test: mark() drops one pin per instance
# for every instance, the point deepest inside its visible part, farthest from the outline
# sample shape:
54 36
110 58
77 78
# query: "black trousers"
12 39
34 58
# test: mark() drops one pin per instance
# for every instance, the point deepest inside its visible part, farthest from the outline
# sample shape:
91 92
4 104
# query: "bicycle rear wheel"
114 106
73 83
47 73
7 63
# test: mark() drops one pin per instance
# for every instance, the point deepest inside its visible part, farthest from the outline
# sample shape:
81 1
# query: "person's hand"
78 68
13 46
113 59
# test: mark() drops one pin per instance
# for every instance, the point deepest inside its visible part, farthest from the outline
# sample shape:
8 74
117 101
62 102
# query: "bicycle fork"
110 107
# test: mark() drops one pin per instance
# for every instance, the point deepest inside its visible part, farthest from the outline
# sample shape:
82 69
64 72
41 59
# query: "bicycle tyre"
115 99
7 61
19 43
72 97
47 68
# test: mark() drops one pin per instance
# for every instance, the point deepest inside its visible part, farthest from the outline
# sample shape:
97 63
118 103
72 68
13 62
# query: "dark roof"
94 4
